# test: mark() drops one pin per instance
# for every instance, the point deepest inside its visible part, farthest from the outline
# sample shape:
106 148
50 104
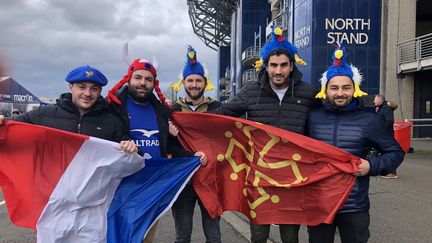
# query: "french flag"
74 188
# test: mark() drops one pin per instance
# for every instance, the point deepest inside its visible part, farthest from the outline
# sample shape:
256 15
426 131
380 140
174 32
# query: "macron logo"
145 132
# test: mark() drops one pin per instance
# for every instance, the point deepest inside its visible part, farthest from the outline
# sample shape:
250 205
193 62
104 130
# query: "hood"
65 101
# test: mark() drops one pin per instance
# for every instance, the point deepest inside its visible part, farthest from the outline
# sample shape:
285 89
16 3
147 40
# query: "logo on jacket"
145 132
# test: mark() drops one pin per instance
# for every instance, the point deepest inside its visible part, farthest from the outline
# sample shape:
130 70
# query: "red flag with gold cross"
271 175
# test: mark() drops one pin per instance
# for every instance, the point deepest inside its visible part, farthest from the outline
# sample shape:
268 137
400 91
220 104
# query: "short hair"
279 52
380 96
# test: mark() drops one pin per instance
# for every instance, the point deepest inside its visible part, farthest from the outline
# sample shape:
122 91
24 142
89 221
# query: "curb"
241 224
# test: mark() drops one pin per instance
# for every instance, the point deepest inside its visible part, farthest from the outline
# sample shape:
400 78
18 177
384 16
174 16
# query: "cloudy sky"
44 39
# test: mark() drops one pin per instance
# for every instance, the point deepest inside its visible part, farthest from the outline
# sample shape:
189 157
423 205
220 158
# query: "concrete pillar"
398 24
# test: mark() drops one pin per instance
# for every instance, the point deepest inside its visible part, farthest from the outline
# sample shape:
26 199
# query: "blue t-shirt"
144 129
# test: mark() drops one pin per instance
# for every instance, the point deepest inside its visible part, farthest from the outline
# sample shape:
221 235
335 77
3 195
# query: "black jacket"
386 113
168 143
356 130
98 122
260 103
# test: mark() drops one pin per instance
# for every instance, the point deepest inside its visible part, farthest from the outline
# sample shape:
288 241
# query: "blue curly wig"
192 66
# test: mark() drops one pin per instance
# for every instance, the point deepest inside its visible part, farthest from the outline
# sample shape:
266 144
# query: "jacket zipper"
336 125
280 106
279 114
79 124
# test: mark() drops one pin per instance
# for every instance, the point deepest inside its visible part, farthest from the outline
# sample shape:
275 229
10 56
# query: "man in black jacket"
145 116
344 122
82 110
387 115
281 99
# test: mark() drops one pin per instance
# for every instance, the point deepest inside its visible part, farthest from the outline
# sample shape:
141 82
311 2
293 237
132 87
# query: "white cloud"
45 39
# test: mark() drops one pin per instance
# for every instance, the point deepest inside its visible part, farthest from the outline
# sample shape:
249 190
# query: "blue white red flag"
63 184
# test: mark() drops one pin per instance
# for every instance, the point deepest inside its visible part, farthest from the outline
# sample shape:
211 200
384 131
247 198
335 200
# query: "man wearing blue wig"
344 123
196 81
279 98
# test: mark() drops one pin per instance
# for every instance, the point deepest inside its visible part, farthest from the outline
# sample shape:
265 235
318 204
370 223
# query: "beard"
345 103
139 96
280 83
194 96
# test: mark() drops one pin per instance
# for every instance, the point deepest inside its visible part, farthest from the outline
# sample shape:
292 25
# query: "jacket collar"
354 105
206 101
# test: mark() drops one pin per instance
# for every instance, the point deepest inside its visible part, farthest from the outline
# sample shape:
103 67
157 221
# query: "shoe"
390 176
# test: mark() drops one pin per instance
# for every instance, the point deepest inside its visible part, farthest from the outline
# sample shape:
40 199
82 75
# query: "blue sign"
303 33
318 24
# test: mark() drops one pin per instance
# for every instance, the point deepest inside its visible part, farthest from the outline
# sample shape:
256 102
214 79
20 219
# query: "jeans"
183 210
353 228
288 233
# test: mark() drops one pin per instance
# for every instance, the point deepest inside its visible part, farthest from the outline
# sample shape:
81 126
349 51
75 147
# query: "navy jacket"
355 130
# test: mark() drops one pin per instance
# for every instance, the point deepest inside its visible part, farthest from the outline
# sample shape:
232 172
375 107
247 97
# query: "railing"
420 120
248 76
280 20
252 52
414 51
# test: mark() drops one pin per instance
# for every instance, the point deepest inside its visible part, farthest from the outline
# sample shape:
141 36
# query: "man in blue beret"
82 110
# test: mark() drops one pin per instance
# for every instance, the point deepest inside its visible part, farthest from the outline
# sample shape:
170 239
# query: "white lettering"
302 32
146 143
301 37
328 24
366 24
330 38
348 24
302 42
23 98
348 38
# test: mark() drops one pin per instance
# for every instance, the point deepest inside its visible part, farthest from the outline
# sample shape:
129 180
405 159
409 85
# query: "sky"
45 39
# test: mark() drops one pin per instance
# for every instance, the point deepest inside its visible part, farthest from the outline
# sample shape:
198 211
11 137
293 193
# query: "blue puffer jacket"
355 130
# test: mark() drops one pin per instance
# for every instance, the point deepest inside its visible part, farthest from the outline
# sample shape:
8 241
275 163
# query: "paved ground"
401 209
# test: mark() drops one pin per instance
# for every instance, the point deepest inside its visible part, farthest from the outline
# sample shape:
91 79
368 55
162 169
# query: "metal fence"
252 52
414 50
424 122
248 76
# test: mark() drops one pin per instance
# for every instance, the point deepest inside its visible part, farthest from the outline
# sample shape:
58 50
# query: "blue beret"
86 73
